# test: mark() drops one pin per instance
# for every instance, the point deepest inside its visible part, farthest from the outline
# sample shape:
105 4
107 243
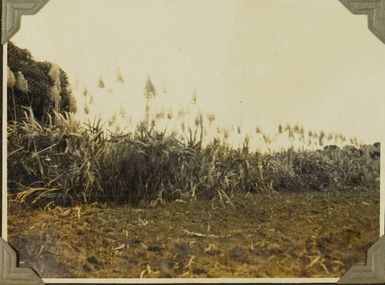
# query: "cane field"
92 199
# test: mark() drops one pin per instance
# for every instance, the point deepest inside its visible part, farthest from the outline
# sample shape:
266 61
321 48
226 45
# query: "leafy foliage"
40 84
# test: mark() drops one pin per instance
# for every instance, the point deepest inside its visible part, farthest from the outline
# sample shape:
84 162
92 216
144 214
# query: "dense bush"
320 170
42 86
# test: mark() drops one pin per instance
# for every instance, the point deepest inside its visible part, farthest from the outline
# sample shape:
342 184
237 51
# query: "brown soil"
282 235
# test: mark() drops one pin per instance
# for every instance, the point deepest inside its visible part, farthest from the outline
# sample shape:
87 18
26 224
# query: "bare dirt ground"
283 235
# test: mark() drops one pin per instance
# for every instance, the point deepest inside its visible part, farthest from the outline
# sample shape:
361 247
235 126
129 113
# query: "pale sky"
252 62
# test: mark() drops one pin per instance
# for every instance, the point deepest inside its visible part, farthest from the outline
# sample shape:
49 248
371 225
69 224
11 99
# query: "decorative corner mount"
12 275
373 272
374 9
12 10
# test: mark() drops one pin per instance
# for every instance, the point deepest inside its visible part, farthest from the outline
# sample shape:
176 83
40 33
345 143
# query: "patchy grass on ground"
282 235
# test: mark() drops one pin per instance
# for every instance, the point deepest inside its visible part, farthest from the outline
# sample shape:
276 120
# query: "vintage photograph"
193 139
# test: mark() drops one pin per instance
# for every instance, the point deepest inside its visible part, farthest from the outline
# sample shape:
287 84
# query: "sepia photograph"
193 139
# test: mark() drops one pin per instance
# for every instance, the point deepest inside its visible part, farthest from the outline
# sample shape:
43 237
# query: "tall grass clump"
54 162
63 162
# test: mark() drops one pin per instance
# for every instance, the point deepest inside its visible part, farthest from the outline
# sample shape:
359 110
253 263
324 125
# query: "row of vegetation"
53 159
